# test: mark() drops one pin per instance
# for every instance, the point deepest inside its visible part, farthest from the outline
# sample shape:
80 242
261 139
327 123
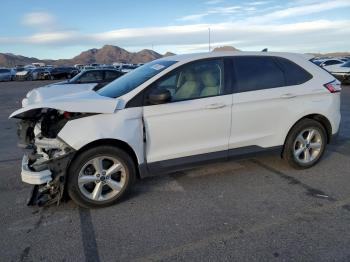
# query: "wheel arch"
317 117
110 142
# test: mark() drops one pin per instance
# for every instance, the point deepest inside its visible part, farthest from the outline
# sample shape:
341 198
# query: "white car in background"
331 62
175 113
341 72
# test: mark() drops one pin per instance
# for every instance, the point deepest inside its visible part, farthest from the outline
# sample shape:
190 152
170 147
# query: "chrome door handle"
289 95
215 106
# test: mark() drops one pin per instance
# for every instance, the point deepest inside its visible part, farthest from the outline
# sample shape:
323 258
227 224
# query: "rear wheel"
305 144
100 176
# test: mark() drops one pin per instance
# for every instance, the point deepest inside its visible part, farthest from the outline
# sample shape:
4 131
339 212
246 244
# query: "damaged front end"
46 157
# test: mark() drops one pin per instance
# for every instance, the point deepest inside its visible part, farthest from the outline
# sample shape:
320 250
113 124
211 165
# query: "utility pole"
209 38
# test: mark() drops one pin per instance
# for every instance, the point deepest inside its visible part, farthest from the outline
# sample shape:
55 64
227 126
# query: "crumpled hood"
42 94
78 102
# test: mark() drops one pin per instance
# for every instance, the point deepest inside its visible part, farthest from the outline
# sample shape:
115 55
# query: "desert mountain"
106 55
225 48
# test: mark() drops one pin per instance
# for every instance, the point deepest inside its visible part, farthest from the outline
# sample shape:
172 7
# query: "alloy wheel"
307 146
102 178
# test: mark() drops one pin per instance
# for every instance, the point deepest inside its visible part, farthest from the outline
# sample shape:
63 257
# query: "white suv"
174 113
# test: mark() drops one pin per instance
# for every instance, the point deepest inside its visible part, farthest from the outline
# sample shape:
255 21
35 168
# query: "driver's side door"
195 124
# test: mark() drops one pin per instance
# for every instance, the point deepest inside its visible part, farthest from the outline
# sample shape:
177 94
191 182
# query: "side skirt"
190 162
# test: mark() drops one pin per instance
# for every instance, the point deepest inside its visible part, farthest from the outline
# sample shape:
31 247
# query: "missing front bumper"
34 177
48 183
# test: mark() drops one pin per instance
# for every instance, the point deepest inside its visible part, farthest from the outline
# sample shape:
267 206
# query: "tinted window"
332 62
130 81
91 76
256 73
111 75
195 80
347 64
294 74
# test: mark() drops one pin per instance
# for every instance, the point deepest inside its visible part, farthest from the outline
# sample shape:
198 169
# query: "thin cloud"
195 17
214 2
38 19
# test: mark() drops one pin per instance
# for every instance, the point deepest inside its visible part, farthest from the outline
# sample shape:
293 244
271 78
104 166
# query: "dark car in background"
99 76
63 72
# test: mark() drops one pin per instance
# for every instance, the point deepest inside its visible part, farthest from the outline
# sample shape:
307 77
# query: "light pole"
209 38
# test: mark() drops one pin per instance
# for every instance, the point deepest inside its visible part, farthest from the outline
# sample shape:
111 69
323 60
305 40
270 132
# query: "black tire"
288 151
78 163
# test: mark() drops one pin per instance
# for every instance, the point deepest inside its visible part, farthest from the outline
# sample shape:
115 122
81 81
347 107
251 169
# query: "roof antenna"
264 50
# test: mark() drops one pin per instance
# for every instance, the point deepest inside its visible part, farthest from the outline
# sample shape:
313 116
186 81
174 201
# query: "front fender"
124 125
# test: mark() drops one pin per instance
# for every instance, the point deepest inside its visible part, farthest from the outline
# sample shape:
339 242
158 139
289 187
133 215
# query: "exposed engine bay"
46 155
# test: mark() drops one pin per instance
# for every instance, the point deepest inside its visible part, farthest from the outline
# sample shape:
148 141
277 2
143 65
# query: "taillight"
333 87
66 115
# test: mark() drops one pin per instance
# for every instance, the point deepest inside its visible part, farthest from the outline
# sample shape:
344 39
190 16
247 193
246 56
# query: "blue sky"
62 29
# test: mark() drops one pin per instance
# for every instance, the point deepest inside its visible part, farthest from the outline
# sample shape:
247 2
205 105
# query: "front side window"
133 79
195 80
257 73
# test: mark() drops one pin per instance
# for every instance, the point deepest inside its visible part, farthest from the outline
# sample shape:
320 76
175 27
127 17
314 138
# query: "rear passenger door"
266 91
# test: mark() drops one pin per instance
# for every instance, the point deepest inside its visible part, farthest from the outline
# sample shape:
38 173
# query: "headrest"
209 78
189 76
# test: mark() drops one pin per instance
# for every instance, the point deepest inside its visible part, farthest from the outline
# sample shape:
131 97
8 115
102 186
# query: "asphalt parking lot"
248 210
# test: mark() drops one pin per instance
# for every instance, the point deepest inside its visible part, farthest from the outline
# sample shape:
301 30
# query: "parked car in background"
40 73
331 62
63 72
79 66
96 76
341 72
126 68
6 74
93 79
23 74
175 113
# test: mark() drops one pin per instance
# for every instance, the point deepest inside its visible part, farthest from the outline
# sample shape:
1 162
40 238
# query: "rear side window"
257 73
332 62
294 74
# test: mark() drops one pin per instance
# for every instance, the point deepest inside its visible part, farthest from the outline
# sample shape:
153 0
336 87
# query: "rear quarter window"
294 74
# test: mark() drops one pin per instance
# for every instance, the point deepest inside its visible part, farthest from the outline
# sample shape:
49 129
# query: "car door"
265 100
197 119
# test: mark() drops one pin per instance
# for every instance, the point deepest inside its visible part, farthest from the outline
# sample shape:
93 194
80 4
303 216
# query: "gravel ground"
249 210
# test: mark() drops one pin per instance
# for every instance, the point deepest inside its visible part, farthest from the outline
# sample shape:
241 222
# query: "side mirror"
159 97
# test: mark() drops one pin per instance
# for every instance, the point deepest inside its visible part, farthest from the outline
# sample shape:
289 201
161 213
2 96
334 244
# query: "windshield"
130 81
347 64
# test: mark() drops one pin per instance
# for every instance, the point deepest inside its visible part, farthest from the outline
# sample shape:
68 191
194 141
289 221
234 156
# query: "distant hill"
225 48
334 54
10 60
106 55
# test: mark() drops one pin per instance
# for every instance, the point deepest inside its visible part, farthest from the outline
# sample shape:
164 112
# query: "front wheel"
305 144
100 176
